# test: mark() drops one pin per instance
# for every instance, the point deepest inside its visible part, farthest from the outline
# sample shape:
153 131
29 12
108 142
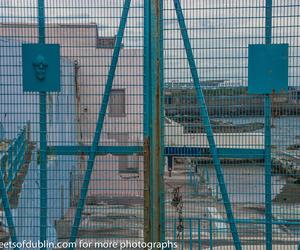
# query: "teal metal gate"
150 121
227 185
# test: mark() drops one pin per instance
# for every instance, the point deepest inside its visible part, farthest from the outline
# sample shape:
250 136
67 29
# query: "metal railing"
211 232
13 156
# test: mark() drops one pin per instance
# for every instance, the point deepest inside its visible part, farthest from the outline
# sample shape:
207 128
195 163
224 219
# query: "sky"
220 30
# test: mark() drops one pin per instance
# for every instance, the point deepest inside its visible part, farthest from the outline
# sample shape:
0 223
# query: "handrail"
13 158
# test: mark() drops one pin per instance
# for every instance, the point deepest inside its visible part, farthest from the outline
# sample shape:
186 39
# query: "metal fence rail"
13 156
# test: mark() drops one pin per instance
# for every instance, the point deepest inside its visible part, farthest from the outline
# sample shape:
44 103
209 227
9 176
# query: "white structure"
91 55
250 140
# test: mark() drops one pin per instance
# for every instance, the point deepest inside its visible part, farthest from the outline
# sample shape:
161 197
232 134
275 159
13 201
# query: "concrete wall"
16 108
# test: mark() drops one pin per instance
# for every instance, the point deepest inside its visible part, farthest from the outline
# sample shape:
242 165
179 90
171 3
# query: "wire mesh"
194 208
219 33
86 32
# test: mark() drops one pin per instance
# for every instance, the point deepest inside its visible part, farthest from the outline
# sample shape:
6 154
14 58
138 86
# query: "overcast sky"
220 30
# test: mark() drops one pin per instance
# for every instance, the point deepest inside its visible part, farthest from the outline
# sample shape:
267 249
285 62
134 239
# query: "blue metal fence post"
3 165
267 114
199 235
207 125
6 206
99 126
146 119
9 164
43 135
268 177
191 234
162 124
147 81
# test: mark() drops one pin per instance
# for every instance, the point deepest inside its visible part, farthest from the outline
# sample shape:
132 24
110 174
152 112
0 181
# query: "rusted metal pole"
156 140
147 234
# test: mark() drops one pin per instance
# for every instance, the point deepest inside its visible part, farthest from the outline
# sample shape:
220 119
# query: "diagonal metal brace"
7 210
207 125
101 115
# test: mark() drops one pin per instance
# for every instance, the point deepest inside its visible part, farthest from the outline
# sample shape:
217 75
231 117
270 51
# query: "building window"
106 42
117 103
129 164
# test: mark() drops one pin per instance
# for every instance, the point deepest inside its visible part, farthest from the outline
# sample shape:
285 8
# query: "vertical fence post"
43 135
146 121
162 124
191 234
211 245
268 177
199 235
15 157
156 177
267 114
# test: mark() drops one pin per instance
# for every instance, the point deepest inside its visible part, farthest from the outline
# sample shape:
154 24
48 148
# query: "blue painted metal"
238 153
41 67
199 235
147 81
268 68
3 160
10 164
146 120
207 125
162 124
182 240
99 126
15 157
210 230
7 210
191 234
238 220
11 161
100 150
267 114
211 245
43 136
2 131
268 176
174 230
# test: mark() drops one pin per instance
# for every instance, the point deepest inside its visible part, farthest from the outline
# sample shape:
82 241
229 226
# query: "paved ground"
110 217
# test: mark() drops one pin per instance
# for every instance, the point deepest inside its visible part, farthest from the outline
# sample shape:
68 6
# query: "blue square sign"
267 68
41 67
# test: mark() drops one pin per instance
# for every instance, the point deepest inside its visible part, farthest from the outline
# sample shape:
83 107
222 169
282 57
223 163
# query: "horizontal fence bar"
100 150
169 151
238 153
238 220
